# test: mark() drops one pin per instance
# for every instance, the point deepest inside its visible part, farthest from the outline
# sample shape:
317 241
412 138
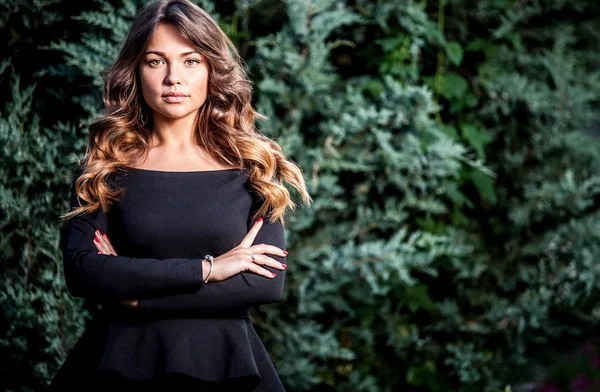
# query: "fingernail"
285 252
96 240
99 252
259 220
274 275
284 266
97 232
104 235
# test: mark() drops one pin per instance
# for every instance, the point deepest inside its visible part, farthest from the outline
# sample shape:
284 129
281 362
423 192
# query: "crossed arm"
243 290
162 285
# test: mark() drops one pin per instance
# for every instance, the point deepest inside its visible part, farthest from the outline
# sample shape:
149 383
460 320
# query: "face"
171 65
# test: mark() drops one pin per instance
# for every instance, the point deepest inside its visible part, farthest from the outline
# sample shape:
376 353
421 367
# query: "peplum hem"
208 349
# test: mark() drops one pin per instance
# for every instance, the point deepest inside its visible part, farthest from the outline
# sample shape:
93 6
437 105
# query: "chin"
177 113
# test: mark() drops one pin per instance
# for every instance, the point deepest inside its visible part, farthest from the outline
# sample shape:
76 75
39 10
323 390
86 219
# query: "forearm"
108 277
242 290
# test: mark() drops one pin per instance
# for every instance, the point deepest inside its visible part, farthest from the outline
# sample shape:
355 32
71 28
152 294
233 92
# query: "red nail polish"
96 240
104 235
285 252
98 232
274 275
284 266
259 220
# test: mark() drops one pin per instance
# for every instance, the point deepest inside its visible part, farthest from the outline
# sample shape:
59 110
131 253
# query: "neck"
176 134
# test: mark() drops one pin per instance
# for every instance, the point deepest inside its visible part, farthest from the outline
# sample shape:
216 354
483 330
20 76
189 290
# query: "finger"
134 303
106 246
112 249
266 248
257 269
248 239
100 245
269 261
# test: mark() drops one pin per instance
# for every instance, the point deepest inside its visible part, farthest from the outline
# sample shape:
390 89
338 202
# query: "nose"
172 75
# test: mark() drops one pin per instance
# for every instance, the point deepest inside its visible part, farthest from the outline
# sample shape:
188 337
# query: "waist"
121 314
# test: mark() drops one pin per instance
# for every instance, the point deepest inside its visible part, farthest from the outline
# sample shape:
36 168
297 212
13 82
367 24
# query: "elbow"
277 294
272 297
277 297
71 266
73 287
75 292
262 290
274 292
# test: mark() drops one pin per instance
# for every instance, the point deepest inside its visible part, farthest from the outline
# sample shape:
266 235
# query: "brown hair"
225 126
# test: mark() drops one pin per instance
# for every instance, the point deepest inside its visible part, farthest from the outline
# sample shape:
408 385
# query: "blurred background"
451 148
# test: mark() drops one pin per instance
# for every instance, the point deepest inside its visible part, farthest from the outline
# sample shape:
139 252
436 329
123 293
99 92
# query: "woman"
165 229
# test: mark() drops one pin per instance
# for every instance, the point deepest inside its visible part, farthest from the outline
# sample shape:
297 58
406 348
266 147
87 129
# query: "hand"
105 247
239 259
103 244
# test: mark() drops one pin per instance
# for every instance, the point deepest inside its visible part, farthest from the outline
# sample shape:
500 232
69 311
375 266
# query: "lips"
174 97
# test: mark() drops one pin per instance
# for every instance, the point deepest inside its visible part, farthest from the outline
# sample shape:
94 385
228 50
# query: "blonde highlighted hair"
225 127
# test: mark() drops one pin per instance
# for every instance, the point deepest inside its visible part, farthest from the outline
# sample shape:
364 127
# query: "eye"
195 61
153 62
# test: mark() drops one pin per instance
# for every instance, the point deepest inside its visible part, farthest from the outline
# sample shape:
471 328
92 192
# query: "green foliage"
41 321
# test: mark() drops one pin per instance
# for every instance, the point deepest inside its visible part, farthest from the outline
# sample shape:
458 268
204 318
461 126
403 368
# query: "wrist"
207 268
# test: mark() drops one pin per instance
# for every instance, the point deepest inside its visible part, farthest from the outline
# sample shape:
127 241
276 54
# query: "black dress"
186 334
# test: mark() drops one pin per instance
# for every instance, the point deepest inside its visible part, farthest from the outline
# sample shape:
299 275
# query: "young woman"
165 229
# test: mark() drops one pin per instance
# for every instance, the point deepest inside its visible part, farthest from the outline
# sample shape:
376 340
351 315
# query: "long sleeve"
107 277
242 290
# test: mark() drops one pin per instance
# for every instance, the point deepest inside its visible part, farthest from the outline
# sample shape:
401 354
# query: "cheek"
145 85
151 87
147 79
199 80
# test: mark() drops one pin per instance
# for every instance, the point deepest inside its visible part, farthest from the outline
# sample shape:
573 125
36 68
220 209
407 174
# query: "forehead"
166 38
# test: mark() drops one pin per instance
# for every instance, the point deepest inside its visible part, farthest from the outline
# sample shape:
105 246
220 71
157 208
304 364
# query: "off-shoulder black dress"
186 334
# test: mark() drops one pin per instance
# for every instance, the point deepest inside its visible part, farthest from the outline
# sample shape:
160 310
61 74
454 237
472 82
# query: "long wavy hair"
226 121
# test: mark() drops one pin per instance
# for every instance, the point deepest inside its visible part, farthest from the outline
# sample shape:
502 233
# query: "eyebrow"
162 54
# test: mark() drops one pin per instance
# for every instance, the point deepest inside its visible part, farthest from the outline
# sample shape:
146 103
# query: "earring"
142 119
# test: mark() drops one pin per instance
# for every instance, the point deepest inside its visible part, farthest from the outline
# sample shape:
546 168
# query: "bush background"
451 148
